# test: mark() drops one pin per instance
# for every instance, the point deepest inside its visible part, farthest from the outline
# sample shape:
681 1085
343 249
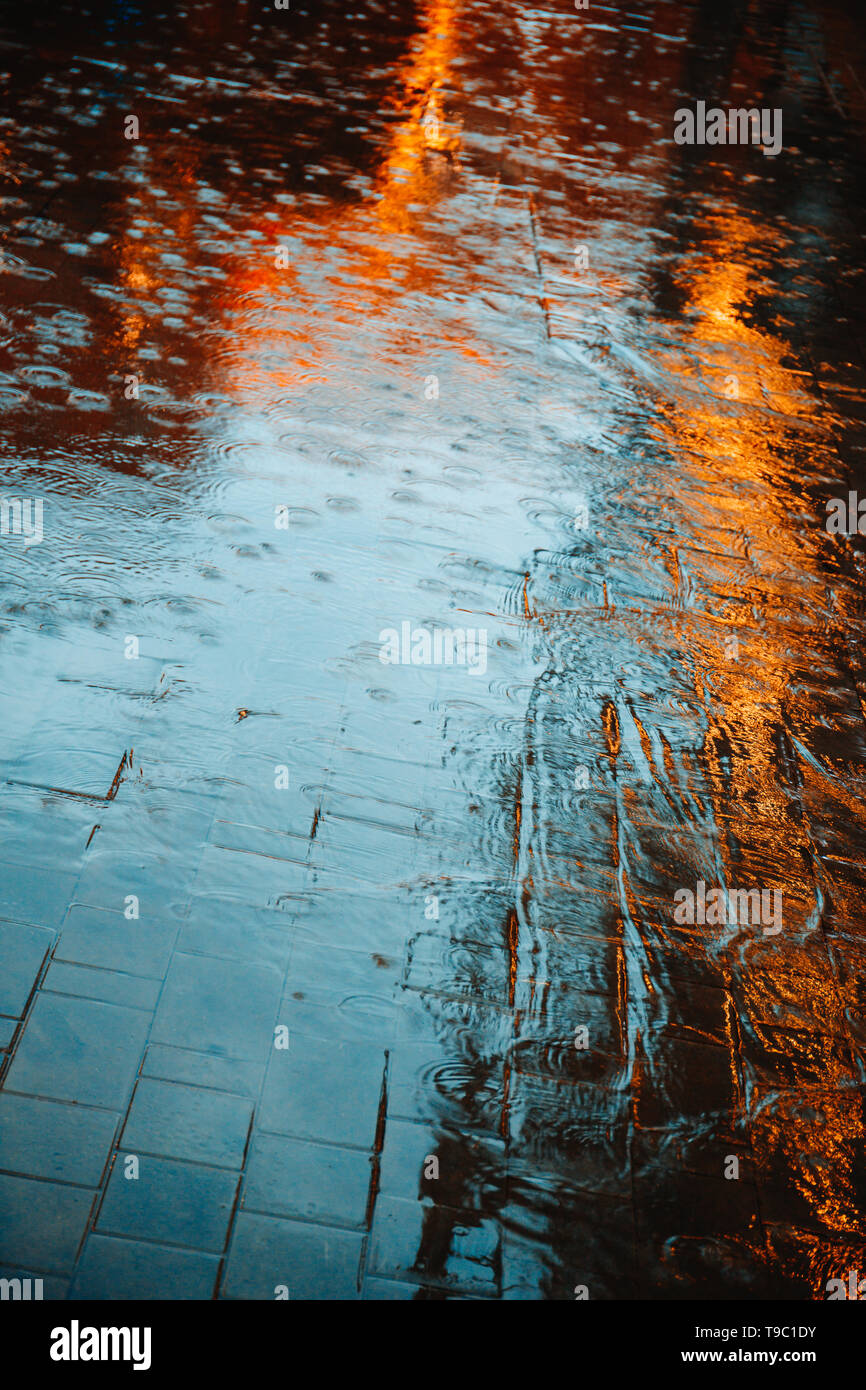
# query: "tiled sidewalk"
317 1041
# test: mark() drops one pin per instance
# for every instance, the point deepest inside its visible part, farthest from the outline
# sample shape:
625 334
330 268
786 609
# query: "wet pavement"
329 976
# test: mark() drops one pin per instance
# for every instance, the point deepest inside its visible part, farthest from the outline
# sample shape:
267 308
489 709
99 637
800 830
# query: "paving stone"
471 1169
420 1088
258 880
46 1139
41 831
375 921
435 1245
313 1262
188 1122
22 951
113 1269
545 1257
219 927
174 1203
30 893
313 1182
321 1090
218 1006
41 1224
79 1049
110 986
95 936
335 993
329 975
526 1269
577 1131
359 1019
161 882
463 967
202 1069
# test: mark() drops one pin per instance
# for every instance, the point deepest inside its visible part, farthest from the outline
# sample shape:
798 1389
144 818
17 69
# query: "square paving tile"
47 1139
315 1182
113 1269
434 1245
111 986
96 936
312 1262
22 951
219 1006
175 1203
220 927
30 893
41 1223
204 1069
79 1049
323 1090
188 1122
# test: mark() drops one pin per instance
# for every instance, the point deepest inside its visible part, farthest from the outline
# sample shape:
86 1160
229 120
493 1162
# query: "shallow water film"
432 683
